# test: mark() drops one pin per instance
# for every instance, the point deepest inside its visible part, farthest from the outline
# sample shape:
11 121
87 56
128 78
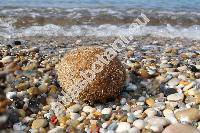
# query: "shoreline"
158 70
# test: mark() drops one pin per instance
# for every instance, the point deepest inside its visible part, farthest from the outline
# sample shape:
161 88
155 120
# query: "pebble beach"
161 93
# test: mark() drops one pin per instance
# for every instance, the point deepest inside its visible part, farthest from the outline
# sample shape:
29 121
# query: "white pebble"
156 128
106 111
140 124
134 130
87 109
123 127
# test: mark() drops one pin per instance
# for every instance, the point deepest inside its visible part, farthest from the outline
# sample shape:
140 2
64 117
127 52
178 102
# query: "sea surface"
168 18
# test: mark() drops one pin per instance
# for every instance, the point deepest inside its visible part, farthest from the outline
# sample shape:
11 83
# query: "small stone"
180 128
74 116
150 102
123 101
157 121
123 127
156 128
104 125
39 123
33 91
21 113
75 108
173 82
19 127
140 124
11 95
7 59
188 115
134 130
175 97
112 126
58 129
87 109
43 88
22 86
106 111
131 118
187 87
150 112
52 89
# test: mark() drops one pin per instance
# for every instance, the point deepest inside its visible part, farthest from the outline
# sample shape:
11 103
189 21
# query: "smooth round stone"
19 127
39 123
74 116
156 128
189 86
175 97
11 95
7 59
123 101
58 129
126 108
131 87
123 127
189 115
75 108
140 124
43 88
106 111
131 117
150 102
134 130
173 82
33 91
87 109
157 121
180 128
159 106
104 125
150 112
112 126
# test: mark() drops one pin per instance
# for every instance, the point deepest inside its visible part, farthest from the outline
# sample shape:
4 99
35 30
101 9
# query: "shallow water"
168 18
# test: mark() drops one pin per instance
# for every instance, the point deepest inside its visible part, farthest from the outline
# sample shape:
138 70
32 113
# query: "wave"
168 31
79 16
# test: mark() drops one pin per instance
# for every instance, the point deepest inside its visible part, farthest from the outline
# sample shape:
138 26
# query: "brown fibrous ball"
107 82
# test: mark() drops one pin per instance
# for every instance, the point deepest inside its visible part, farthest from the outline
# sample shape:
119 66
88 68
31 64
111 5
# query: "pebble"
173 82
123 101
180 128
187 87
75 108
123 127
58 129
19 127
39 123
74 116
87 109
157 121
156 128
134 130
33 91
106 111
112 126
175 97
150 112
188 115
140 124
150 102
7 59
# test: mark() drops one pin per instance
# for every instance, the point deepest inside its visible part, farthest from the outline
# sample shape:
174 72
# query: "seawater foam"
105 30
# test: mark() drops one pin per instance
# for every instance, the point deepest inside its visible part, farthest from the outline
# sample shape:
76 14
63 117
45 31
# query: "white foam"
169 31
